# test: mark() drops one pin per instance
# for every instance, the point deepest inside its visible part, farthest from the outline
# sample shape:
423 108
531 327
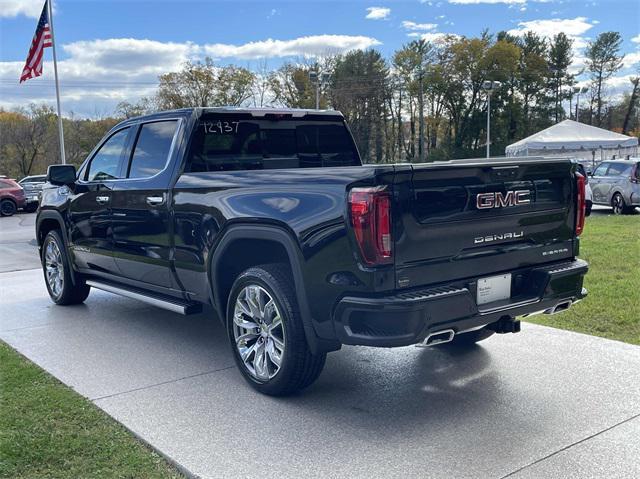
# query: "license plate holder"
493 288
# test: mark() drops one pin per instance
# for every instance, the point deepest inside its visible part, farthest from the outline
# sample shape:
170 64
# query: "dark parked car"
11 197
270 217
616 183
32 189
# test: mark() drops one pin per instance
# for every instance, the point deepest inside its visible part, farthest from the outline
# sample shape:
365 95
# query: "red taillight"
370 210
581 203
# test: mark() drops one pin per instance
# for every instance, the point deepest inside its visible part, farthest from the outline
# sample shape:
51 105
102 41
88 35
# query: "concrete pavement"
542 403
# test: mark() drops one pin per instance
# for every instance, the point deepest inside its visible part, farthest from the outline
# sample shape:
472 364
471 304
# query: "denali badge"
486 201
491 238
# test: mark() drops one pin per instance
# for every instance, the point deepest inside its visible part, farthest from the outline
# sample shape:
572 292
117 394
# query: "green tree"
359 88
603 61
560 59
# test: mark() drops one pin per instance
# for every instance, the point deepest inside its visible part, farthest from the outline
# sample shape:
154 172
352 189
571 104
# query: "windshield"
232 142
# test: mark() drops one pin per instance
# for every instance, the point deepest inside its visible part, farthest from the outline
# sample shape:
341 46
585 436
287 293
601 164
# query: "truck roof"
257 112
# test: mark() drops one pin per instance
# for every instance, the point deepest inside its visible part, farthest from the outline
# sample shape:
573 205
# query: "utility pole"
319 79
400 135
421 114
489 87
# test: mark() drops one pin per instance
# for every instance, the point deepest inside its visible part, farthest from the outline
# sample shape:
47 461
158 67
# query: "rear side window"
601 169
619 169
4 185
105 164
151 152
234 142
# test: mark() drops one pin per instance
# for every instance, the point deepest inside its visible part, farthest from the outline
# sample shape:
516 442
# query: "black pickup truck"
270 217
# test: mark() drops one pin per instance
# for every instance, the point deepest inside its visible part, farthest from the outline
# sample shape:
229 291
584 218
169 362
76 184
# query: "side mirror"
61 175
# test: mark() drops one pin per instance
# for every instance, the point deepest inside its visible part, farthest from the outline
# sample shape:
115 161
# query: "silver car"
616 183
32 186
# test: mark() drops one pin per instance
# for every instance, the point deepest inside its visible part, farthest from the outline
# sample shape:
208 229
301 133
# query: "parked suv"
11 197
269 216
32 189
616 183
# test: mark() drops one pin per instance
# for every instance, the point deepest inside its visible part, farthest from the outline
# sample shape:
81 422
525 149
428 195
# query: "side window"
4 185
619 169
152 148
601 169
105 164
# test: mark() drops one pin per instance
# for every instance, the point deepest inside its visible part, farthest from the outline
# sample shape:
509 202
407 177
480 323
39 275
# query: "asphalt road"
542 403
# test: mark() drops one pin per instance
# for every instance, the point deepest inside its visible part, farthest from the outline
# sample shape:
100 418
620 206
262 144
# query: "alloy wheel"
258 331
54 268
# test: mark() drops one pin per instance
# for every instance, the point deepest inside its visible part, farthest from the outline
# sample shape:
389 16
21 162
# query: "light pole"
319 79
489 87
421 114
578 91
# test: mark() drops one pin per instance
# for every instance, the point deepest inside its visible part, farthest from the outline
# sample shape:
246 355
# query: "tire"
8 207
31 207
618 205
57 277
269 341
588 208
466 340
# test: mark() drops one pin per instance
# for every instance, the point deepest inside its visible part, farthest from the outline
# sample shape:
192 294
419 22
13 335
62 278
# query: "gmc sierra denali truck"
270 217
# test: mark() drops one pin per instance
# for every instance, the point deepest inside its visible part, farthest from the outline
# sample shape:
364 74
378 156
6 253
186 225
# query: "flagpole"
55 71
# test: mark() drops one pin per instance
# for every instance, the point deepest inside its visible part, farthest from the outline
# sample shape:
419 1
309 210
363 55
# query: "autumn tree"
202 84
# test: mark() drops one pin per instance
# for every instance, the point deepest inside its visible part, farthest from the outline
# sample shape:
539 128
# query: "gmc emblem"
485 201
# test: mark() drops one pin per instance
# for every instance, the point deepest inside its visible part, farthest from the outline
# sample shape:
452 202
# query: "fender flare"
281 236
57 217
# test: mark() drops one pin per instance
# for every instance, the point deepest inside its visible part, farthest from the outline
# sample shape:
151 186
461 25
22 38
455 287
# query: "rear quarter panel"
310 204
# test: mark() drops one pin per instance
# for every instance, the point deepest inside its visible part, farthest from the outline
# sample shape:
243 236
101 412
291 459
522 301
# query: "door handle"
102 200
155 200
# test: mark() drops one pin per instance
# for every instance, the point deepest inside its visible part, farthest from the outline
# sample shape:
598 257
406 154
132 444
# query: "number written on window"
220 127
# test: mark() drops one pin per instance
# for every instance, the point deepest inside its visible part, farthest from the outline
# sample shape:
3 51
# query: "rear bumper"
409 317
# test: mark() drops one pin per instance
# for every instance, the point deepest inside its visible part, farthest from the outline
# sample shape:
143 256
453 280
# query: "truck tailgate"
471 218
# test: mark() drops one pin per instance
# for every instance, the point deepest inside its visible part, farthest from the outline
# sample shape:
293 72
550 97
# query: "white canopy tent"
580 141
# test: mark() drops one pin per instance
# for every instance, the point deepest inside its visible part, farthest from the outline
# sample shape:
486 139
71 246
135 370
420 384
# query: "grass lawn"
48 430
611 245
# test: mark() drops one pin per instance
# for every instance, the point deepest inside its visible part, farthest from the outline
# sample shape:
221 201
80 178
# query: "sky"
113 50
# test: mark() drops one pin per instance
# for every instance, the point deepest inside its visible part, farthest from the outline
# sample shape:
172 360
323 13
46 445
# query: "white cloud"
631 59
547 28
311 46
129 57
432 36
511 3
97 74
378 13
574 28
13 8
413 26
475 2
636 39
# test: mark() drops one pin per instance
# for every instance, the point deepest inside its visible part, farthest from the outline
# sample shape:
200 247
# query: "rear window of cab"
232 142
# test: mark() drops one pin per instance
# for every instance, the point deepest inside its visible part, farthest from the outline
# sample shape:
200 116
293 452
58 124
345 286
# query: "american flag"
41 40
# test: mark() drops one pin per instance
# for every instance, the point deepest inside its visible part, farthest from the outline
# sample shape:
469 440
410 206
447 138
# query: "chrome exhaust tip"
437 337
560 307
